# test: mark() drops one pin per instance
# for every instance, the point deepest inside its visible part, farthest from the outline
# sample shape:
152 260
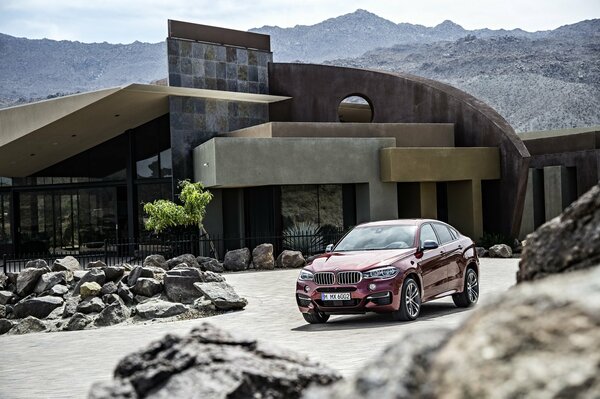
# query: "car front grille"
324 278
344 278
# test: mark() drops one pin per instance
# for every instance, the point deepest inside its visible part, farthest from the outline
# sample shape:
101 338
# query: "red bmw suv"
390 267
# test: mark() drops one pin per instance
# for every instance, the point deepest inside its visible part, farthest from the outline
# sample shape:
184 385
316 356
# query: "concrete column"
464 207
553 191
428 198
376 201
527 222
363 206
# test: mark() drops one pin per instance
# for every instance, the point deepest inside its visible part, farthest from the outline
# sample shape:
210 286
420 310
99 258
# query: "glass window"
165 163
5 209
317 205
378 237
443 233
147 168
427 234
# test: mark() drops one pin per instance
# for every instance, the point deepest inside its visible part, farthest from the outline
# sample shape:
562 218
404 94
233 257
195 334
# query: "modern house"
278 144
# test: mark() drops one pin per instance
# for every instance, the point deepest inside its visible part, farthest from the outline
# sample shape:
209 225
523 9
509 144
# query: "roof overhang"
38 135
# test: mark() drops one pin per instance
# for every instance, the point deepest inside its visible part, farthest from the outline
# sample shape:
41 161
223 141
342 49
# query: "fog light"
306 288
372 287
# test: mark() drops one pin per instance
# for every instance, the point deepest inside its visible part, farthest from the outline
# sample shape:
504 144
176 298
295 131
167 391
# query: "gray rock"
66 263
134 274
125 293
78 274
93 275
90 289
5 325
71 304
109 288
156 261
110 298
37 263
56 313
500 251
113 273
3 281
28 278
96 263
140 299
59 290
482 252
262 257
148 272
2 311
78 322
237 260
210 264
147 286
210 363
114 313
90 305
179 284
6 297
156 308
188 259
222 295
290 259
37 307
566 243
29 324
49 280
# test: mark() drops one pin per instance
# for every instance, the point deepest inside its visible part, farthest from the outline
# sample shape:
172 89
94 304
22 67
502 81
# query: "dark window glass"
5 210
310 206
165 163
443 233
148 193
427 234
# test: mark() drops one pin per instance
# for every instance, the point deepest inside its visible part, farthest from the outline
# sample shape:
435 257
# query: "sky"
124 21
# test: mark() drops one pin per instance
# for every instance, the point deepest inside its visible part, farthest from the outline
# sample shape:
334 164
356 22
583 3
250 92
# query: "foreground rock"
290 259
566 243
262 257
210 363
237 260
156 308
222 295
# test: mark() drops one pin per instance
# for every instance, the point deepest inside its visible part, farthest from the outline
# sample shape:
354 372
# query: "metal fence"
114 252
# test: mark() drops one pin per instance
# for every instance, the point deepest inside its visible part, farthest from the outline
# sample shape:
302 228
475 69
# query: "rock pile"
67 297
210 363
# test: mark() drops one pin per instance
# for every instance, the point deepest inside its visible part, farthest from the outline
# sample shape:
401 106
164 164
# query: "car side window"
443 233
427 234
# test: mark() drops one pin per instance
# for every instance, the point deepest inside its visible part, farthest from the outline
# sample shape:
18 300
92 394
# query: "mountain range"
536 80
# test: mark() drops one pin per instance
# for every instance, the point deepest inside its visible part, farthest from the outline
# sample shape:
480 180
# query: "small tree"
164 214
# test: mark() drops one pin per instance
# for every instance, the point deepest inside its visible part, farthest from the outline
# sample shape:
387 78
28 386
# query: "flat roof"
37 135
542 134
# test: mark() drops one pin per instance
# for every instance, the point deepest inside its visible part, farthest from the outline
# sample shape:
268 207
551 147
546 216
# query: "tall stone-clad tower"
205 57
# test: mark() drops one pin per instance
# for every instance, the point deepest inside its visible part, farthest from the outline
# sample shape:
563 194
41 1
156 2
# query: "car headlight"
382 272
305 275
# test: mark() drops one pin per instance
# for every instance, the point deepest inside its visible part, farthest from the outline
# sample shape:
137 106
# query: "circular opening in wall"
355 108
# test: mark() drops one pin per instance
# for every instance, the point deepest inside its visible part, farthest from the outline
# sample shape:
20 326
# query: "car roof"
392 222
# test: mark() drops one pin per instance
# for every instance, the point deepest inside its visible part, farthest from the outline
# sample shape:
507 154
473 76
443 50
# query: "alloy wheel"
472 287
413 300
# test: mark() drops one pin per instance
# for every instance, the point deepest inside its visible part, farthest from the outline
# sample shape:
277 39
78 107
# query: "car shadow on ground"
429 311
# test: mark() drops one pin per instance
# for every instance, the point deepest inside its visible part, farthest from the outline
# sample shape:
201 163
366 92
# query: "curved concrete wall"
317 90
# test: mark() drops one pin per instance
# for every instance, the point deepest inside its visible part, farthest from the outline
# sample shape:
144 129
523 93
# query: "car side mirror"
329 248
429 244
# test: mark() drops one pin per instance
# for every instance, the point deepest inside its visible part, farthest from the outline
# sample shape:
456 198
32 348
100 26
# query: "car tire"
470 293
410 301
315 317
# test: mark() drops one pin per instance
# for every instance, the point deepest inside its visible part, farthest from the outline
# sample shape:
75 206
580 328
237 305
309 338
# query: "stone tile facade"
211 66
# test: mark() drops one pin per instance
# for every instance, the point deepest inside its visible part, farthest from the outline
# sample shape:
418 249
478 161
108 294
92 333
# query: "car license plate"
336 296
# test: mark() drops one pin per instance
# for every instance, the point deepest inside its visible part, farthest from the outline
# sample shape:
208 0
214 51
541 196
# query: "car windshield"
378 237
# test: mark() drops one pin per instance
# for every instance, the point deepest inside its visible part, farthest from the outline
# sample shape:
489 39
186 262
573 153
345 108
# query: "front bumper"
382 299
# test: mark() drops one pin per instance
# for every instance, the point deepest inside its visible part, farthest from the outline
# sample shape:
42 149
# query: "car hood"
358 260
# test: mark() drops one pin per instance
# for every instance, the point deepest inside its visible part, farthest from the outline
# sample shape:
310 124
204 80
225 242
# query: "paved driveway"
64 364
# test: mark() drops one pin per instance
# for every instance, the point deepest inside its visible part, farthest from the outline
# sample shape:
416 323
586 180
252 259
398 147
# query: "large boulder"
237 260
210 264
77 322
28 278
179 284
156 308
6 297
71 304
222 295
290 259
90 289
188 259
147 286
566 243
156 261
94 275
5 325
500 251
96 263
37 307
114 313
90 305
109 288
125 293
210 363
145 271
29 324
49 280
262 257
37 264
66 263
114 273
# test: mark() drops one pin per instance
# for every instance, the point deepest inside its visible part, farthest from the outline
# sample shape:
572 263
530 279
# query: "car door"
433 269
452 252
